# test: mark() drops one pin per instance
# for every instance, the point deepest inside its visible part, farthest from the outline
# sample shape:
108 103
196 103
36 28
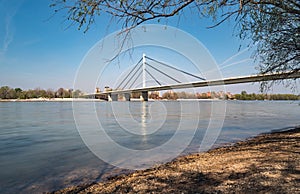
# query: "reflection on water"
142 126
144 114
41 150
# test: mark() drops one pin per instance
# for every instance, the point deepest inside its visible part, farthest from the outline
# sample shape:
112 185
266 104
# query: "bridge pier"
126 96
112 97
144 96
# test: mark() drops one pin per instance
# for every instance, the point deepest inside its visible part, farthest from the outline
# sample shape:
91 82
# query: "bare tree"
273 25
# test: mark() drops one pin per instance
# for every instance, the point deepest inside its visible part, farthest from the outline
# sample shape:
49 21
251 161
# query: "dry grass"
269 163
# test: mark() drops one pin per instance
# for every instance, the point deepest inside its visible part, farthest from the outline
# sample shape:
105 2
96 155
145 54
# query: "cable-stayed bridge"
127 85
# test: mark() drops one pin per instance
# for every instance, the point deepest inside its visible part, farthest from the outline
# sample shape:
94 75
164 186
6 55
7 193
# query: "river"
41 149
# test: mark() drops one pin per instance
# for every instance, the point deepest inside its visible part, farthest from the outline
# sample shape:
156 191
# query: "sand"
268 163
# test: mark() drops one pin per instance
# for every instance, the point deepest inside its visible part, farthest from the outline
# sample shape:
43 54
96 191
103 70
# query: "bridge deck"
226 81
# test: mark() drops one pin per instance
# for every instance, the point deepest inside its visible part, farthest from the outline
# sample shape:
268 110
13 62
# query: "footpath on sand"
268 163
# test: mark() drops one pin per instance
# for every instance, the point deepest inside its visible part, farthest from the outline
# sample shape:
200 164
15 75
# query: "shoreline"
132 100
269 162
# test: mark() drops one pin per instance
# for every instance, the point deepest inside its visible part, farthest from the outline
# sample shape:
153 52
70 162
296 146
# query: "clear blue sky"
38 50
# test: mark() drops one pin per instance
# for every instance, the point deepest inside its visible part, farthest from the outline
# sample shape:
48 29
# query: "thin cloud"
234 56
8 27
9 34
31 42
237 62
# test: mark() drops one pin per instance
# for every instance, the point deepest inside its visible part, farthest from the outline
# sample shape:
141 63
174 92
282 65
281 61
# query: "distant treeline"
17 93
253 96
222 95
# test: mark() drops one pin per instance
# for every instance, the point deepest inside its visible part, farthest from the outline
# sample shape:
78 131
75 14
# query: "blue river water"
41 149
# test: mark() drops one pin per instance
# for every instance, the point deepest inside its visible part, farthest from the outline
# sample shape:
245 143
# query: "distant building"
97 90
208 94
107 89
154 95
229 95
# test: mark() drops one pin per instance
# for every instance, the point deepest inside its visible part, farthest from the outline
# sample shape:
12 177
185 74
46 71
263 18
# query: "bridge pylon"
144 70
144 94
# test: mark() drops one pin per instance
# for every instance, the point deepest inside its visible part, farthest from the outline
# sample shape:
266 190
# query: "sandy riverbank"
268 163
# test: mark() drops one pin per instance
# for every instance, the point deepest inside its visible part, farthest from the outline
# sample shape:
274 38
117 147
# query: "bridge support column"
144 96
112 97
126 96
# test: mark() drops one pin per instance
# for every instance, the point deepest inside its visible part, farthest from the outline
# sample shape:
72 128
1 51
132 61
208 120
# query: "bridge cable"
175 68
153 77
132 76
135 79
163 73
129 73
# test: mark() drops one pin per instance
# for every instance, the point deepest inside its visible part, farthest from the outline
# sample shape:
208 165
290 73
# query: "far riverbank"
266 163
100 100
49 100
